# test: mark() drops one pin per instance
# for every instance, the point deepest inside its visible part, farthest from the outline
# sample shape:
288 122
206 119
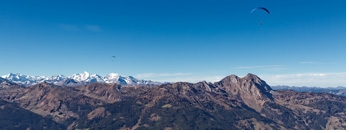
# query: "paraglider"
261 8
114 57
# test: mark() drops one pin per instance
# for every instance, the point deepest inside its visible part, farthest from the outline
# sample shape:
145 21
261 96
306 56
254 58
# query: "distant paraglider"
113 58
261 8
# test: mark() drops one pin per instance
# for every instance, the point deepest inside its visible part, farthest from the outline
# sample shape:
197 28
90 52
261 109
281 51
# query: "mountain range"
86 78
232 103
76 79
341 91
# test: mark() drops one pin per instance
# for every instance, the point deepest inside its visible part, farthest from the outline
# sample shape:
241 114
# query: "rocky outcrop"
99 112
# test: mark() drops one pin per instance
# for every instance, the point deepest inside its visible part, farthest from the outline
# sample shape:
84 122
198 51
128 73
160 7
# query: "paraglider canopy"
262 8
113 57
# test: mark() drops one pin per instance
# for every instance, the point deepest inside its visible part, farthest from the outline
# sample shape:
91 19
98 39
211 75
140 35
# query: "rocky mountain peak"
46 86
230 79
254 78
251 76
251 89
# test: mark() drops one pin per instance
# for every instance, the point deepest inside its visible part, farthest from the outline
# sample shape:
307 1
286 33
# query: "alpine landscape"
127 103
77 65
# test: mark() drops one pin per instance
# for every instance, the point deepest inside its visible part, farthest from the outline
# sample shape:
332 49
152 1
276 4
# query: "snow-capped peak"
113 75
23 79
5 76
10 75
56 77
81 76
112 78
86 73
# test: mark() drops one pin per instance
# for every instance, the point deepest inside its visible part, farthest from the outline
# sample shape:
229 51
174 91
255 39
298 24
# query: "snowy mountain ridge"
76 79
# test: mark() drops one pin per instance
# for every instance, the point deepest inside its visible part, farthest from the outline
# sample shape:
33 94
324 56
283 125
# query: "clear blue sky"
174 39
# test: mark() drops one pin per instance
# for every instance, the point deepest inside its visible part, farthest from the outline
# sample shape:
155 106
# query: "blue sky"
299 43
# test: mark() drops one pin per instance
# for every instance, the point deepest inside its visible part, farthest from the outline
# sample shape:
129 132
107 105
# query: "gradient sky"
299 43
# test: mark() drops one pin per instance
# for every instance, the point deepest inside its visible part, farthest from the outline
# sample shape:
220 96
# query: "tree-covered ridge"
14 117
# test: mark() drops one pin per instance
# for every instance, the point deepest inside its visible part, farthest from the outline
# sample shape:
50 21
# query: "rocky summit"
234 103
